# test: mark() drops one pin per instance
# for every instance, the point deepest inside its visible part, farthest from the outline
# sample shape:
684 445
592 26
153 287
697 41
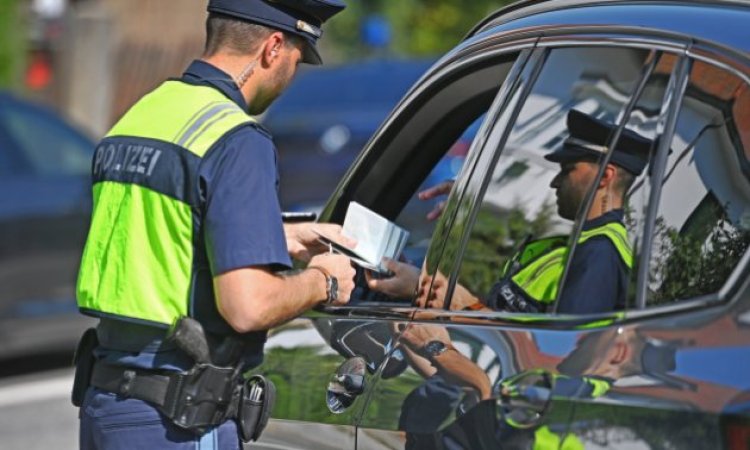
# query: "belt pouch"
258 398
84 362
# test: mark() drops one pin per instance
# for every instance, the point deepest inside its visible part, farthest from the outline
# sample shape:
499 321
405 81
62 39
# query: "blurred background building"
91 59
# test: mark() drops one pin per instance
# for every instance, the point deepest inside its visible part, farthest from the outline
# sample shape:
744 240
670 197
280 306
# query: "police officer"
601 264
186 222
599 272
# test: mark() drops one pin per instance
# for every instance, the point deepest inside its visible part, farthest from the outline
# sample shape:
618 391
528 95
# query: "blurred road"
36 413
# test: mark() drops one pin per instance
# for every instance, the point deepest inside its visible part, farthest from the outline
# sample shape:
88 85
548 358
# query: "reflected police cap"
588 139
300 17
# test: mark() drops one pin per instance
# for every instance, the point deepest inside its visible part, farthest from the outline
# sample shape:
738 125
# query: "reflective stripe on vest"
138 259
540 277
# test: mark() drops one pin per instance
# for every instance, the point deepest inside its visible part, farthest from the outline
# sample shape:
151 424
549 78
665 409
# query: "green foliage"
418 27
690 264
301 375
11 43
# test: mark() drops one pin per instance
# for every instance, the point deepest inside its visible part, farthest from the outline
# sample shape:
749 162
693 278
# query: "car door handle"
346 384
525 398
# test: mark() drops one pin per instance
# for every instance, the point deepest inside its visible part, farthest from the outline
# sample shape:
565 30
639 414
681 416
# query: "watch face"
434 348
333 289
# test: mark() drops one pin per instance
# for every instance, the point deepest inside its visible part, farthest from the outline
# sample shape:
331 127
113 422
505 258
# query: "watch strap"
330 283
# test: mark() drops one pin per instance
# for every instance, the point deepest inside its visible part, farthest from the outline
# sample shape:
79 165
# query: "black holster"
83 359
203 397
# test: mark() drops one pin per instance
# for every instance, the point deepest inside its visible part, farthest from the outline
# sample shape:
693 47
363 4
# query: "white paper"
376 236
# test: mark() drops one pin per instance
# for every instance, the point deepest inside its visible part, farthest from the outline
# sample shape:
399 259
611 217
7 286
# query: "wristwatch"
332 284
433 349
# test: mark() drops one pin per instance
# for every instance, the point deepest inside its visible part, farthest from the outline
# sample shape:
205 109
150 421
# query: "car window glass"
645 119
434 285
518 245
430 142
703 223
50 146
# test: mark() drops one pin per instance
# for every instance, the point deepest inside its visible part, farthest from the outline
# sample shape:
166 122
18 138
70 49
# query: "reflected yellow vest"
542 262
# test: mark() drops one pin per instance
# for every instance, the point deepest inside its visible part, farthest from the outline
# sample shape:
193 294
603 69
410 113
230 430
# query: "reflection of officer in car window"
599 362
600 268
603 258
439 413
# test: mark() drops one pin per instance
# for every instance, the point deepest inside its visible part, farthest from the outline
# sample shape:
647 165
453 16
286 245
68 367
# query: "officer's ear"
609 176
271 49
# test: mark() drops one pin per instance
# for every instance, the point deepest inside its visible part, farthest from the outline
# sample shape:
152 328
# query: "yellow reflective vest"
542 262
138 261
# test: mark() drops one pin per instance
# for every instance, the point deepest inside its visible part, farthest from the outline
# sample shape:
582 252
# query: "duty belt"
203 397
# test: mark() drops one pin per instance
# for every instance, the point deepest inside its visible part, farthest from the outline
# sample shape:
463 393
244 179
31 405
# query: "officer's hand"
402 284
432 291
443 188
415 336
340 267
302 239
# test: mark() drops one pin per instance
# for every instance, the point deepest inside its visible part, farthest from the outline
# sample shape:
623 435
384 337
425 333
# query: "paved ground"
36 413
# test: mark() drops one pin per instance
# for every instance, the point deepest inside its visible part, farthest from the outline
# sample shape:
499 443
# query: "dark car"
318 134
670 369
44 214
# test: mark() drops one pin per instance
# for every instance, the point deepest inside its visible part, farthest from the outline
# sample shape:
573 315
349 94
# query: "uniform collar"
205 74
616 215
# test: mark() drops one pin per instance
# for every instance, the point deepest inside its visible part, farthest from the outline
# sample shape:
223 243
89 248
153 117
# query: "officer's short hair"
237 36
625 180
229 34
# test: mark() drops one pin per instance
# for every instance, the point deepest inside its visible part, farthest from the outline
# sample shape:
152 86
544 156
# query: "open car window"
420 215
431 138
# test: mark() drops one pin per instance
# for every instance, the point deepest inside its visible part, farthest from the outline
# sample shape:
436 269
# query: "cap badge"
309 29
586 145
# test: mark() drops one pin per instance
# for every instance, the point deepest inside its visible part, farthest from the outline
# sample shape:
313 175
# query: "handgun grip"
189 336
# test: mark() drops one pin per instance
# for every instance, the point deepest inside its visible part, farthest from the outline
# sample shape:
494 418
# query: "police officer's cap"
300 17
588 140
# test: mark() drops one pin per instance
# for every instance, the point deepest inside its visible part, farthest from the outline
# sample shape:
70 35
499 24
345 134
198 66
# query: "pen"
294 217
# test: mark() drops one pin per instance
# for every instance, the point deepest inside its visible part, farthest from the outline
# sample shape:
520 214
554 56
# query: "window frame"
381 143
680 49
687 52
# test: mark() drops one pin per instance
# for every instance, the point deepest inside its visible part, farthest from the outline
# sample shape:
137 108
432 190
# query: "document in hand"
376 236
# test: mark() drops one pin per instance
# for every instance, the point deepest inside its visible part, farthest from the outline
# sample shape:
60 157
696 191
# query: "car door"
326 364
680 357
43 222
507 383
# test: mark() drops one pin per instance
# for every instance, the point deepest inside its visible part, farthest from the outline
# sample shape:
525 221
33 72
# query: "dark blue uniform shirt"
242 221
241 224
598 277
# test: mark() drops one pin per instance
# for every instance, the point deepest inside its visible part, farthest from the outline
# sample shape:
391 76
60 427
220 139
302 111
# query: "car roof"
722 22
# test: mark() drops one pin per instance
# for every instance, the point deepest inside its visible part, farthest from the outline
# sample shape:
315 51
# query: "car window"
429 139
418 214
703 223
49 145
649 111
519 243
